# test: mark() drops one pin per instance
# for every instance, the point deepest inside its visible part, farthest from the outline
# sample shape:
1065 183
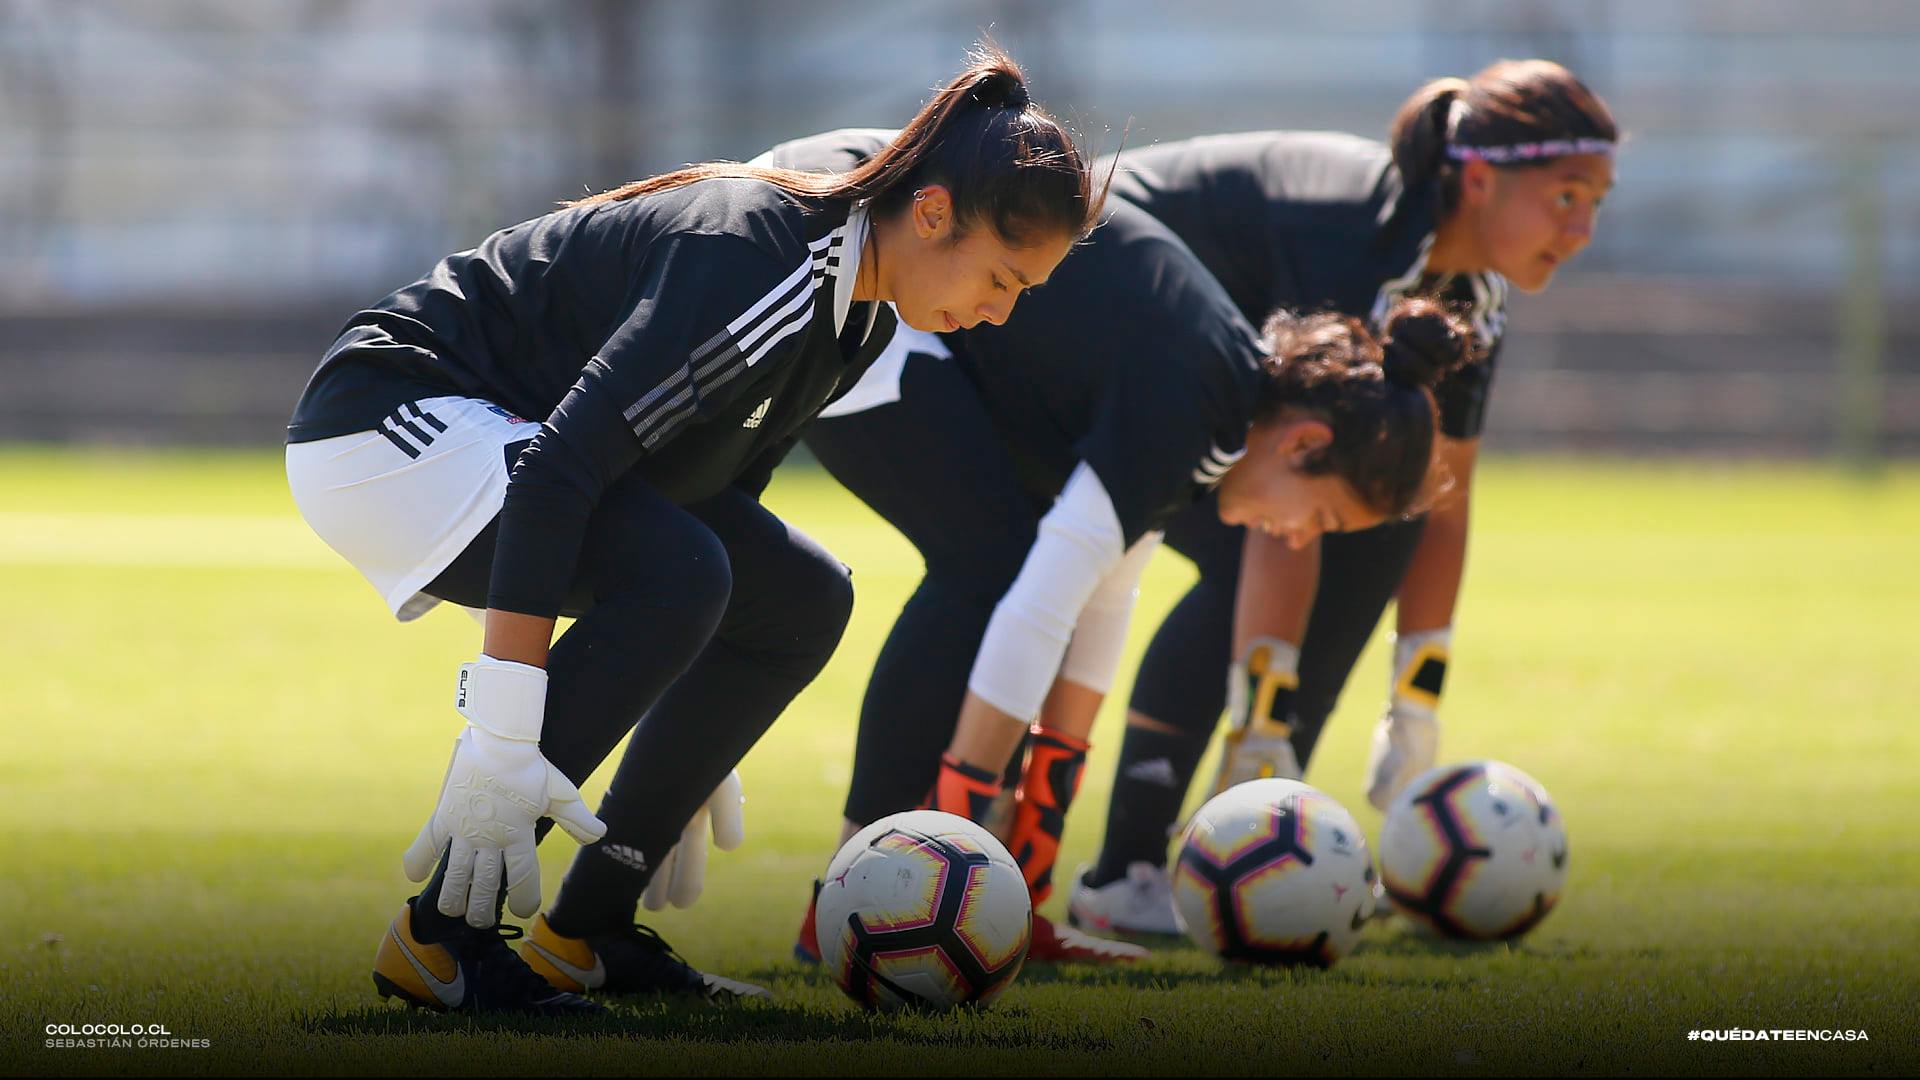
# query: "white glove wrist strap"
503 698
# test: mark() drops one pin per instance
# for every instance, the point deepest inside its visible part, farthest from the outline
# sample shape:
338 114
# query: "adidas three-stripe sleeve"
712 317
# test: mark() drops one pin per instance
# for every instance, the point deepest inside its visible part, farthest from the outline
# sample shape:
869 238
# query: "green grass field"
216 745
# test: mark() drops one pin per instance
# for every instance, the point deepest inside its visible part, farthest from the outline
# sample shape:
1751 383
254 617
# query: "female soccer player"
1126 388
1488 181
576 417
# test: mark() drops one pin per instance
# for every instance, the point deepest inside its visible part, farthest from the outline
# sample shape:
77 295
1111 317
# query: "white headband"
1530 151
1527 151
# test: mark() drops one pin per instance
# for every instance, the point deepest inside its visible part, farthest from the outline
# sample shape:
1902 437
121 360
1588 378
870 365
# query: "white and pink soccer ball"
923 909
1274 872
1474 851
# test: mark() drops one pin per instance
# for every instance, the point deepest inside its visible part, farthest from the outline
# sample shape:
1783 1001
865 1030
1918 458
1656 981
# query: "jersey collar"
852 241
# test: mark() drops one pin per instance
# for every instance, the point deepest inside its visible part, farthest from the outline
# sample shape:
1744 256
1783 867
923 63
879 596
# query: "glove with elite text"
497 786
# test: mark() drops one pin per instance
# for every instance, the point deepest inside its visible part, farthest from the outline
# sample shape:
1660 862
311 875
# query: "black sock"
602 889
1149 785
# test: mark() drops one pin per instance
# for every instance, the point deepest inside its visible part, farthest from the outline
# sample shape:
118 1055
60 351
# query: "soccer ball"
1274 872
1474 851
923 909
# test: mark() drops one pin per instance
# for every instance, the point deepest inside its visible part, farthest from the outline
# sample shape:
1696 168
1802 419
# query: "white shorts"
401 502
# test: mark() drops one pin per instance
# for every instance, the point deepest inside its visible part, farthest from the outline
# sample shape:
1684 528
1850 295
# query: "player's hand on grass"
683 873
1407 738
497 786
1259 740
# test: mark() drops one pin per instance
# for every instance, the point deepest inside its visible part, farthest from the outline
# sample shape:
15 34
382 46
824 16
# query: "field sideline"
216 746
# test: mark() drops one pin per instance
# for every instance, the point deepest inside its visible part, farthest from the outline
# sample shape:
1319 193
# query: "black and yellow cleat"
469 971
630 961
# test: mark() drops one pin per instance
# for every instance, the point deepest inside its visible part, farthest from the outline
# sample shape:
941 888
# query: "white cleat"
1140 903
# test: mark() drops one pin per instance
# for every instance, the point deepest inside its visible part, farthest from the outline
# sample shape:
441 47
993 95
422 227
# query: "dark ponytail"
1007 163
1424 343
1376 395
1001 87
1508 103
1419 132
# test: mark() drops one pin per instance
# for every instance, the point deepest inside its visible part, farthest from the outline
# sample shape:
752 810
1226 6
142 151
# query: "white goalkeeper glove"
683 873
1407 737
1259 740
497 785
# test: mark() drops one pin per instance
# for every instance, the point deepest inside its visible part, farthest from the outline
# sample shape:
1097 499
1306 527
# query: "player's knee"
680 572
823 597
794 622
704 580
645 553
836 597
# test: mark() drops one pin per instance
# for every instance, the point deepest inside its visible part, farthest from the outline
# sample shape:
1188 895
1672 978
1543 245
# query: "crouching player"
1337 434
1486 182
576 417
1032 465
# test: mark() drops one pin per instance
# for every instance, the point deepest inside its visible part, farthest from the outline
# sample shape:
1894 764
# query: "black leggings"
1183 678
933 466
699 624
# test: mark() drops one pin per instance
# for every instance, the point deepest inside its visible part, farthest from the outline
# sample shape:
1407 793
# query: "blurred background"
195 194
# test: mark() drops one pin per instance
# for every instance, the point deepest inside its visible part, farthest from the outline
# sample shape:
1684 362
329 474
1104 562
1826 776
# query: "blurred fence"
193 195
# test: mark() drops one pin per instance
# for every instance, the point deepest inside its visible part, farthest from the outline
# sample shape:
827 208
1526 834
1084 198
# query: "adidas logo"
1154 771
630 857
759 415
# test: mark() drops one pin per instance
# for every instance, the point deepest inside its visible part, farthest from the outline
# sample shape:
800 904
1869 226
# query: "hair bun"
1002 88
1425 341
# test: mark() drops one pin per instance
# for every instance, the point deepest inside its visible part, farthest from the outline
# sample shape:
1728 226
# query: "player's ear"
1302 439
1476 183
932 212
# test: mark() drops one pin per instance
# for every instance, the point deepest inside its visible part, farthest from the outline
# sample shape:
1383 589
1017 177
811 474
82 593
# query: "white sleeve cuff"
1098 639
1079 544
